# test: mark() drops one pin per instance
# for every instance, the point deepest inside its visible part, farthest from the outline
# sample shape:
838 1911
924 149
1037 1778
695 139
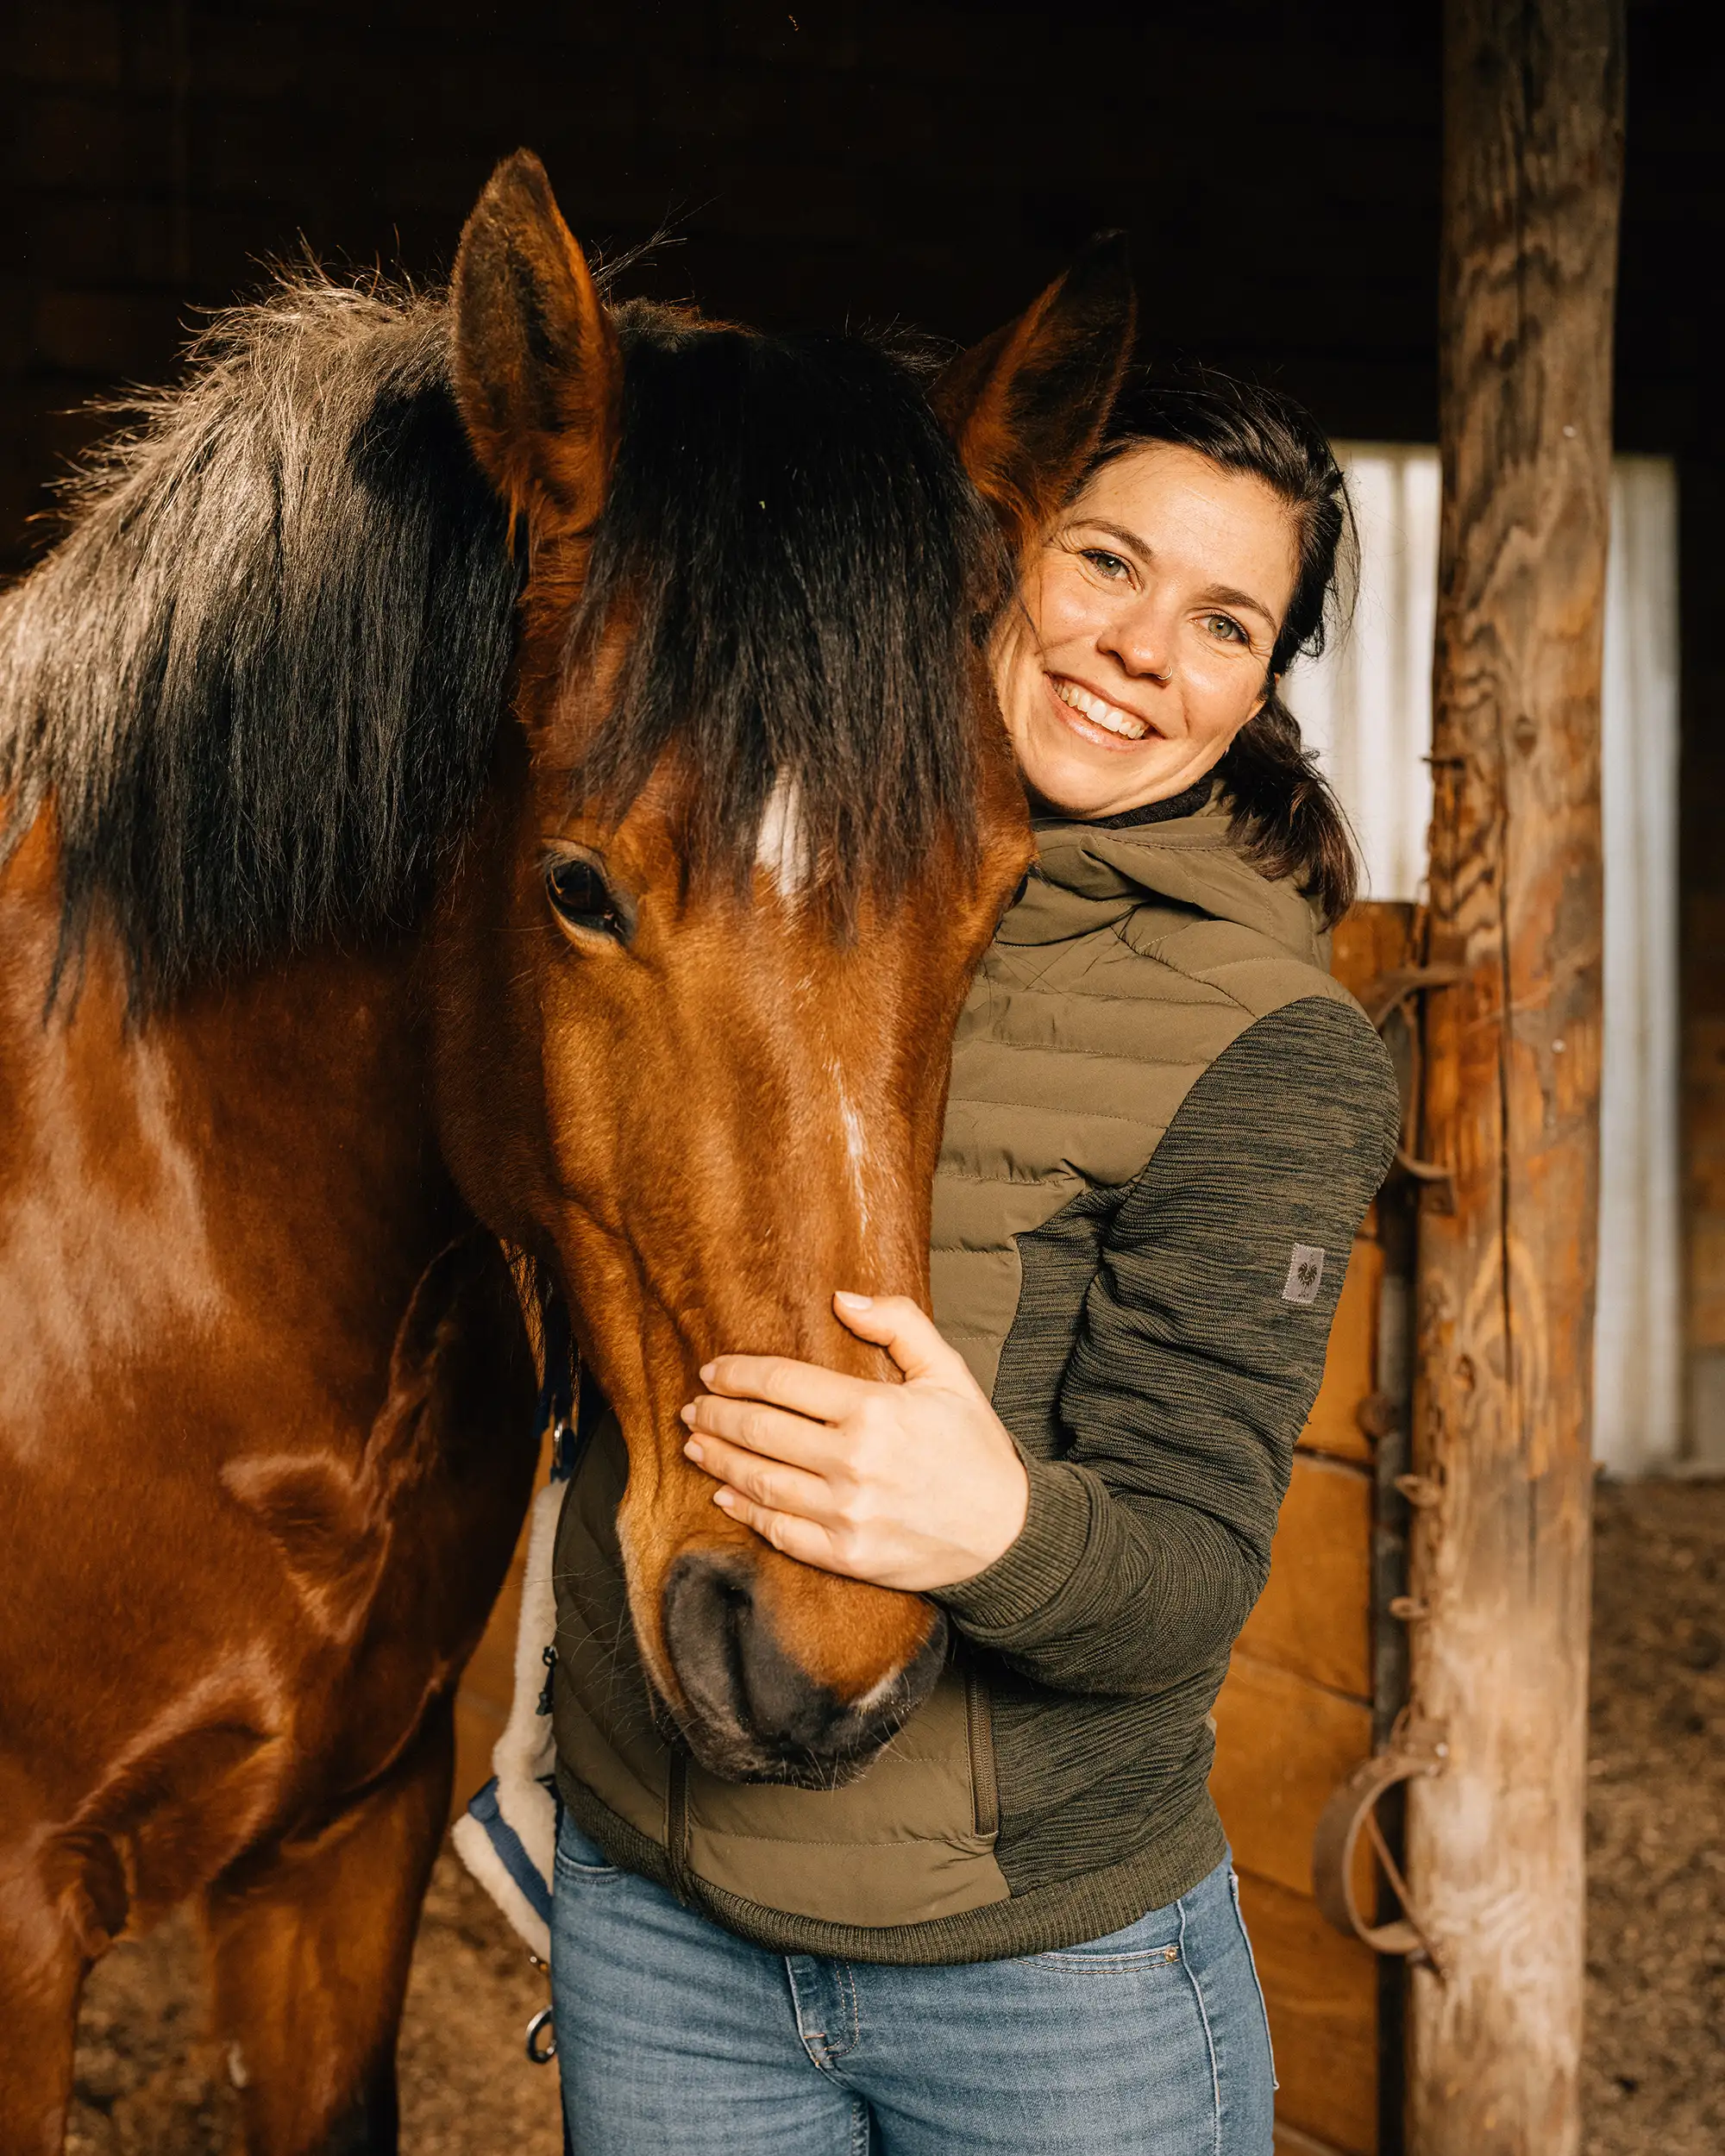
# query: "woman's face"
1144 640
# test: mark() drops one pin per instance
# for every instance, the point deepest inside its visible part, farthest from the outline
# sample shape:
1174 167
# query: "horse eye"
582 895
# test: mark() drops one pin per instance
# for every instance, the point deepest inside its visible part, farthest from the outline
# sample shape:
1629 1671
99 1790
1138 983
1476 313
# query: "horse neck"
245 1179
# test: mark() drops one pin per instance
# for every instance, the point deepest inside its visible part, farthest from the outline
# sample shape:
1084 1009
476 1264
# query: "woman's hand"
915 1486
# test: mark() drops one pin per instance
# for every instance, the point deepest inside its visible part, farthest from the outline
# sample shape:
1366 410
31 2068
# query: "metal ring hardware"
1350 1811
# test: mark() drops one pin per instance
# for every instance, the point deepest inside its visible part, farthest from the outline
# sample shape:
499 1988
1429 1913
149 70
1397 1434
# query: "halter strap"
560 1389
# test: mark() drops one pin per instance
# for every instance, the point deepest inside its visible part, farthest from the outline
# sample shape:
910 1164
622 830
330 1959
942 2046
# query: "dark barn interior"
1277 169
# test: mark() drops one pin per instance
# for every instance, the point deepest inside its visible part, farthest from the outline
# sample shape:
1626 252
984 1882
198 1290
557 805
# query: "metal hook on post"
1383 997
1352 1810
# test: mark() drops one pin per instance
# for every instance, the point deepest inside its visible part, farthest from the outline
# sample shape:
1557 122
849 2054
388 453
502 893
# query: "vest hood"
1086 878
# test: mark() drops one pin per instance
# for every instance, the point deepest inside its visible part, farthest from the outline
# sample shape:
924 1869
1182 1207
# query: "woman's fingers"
803 1539
760 1429
763 1482
804 1387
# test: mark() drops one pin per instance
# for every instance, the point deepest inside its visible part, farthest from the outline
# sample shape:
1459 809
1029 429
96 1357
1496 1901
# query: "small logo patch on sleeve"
1305 1274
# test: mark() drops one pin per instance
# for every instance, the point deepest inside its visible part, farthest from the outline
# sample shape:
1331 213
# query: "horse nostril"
758 1712
708 1608
732 1670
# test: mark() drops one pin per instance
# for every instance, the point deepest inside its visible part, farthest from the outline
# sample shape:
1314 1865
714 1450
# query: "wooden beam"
1533 156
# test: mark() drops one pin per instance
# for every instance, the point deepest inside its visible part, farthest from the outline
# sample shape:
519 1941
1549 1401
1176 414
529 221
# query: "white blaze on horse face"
779 849
856 1151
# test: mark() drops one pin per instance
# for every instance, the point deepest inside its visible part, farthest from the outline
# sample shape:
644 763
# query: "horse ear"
538 375
1028 406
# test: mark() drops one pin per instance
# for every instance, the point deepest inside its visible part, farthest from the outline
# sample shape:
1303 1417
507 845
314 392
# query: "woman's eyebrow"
1218 594
1226 595
1130 540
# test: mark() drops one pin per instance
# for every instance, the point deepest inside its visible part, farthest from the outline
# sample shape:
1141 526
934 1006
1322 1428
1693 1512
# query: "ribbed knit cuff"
1028 1576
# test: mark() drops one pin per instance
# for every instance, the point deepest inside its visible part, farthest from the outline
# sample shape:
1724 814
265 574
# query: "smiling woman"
1210 544
1165 1123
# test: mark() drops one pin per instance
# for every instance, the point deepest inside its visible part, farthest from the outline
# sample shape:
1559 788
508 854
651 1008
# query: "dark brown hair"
1286 820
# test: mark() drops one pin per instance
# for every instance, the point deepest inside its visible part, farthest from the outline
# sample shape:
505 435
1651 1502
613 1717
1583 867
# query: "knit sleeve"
1198 1357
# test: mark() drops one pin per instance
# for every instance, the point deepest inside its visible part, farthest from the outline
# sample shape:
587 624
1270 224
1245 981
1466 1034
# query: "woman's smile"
1093 718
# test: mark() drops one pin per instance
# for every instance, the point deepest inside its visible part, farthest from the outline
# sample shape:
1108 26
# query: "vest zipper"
677 1822
985 1795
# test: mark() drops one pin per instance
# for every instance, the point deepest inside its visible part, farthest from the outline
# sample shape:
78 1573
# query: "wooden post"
1533 156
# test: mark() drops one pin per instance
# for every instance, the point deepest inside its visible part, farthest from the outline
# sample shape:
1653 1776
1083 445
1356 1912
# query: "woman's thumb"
901 1326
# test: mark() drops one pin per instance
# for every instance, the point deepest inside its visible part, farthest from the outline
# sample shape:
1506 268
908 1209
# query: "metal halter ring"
542 2026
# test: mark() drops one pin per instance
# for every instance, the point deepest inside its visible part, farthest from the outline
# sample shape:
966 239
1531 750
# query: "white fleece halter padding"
524 1758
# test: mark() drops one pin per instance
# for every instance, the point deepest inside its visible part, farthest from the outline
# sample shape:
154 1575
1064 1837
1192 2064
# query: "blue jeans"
673 2034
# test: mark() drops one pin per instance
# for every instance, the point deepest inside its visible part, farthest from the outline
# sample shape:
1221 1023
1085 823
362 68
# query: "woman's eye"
582 895
1226 628
1106 564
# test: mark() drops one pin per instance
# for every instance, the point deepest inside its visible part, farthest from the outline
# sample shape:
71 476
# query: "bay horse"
497 784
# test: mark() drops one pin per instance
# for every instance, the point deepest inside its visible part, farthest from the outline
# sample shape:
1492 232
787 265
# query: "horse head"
753 821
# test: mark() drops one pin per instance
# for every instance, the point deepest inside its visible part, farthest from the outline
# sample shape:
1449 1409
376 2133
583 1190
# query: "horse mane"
260 677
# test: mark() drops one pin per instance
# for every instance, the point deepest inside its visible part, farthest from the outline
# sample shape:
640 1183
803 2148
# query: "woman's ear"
538 375
1026 407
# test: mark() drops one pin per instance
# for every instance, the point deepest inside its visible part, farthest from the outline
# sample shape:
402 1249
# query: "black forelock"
804 572
261 676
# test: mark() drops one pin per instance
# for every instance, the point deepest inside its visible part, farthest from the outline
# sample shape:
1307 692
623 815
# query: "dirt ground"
1655 2062
146 2086
1654 2066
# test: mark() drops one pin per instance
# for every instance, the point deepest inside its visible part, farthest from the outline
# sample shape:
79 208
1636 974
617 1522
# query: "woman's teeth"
1099 713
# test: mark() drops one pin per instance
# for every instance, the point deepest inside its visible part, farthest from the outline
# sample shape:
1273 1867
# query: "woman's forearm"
1106 1594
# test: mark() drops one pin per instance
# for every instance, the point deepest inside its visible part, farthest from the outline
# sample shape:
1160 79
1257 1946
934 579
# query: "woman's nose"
1141 641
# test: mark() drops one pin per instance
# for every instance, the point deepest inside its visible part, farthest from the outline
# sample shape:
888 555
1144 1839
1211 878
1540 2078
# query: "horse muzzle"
752 1709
